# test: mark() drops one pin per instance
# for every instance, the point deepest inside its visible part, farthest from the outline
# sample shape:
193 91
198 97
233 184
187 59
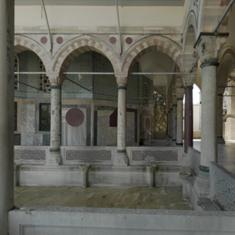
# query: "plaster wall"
97 18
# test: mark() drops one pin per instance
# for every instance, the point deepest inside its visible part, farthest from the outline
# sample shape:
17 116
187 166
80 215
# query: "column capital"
189 79
54 78
121 80
208 47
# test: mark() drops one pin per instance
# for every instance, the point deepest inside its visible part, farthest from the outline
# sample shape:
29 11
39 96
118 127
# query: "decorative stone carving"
208 48
189 79
32 45
83 43
165 45
121 80
54 78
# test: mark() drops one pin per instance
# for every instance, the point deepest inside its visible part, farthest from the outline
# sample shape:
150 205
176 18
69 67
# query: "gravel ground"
139 198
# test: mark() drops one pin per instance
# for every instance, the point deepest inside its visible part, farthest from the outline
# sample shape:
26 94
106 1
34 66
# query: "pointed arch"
22 43
80 45
163 44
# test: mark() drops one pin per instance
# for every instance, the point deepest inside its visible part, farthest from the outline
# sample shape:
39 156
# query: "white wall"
96 18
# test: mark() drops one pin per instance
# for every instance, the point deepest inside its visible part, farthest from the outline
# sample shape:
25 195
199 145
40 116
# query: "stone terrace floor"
132 198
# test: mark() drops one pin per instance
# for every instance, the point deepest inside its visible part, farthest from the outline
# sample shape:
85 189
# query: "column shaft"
179 134
169 123
174 122
188 131
92 124
55 134
6 107
121 126
208 118
219 122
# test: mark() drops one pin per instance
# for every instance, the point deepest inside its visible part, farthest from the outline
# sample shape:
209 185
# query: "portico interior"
129 95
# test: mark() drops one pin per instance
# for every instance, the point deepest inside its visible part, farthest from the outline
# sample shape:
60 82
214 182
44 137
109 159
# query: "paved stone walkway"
141 198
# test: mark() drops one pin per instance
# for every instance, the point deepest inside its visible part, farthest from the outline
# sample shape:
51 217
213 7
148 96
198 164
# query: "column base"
121 159
53 157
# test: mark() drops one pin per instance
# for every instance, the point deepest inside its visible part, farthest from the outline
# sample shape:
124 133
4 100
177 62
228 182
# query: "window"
44 117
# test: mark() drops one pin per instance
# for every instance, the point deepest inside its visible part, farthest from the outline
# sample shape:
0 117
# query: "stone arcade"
102 94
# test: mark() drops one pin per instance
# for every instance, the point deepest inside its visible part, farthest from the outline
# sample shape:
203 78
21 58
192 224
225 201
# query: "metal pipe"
78 84
31 73
119 26
26 84
134 73
106 73
224 15
48 26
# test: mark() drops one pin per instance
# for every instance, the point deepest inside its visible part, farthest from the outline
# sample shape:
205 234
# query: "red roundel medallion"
74 117
43 40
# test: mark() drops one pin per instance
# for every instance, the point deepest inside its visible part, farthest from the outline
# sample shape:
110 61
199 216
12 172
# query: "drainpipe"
48 26
119 26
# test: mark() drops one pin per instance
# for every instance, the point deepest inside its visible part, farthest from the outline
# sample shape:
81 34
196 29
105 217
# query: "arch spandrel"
22 43
83 44
163 44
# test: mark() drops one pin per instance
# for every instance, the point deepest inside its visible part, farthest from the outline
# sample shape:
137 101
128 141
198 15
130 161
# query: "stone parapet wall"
223 187
70 221
139 156
30 155
149 166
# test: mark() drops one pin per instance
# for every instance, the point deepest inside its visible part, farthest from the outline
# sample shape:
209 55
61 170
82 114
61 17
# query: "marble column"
208 116
219 121
92 126
54 157
169 123
208 47
122 158
174 121
188 118
121 131
7 111
179 132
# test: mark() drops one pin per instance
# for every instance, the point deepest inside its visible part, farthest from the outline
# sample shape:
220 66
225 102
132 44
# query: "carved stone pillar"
54 156
219 121
92 132
179 132
207 49
174 121
189 79
7 111
188 117
209 64
169 123
121 158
